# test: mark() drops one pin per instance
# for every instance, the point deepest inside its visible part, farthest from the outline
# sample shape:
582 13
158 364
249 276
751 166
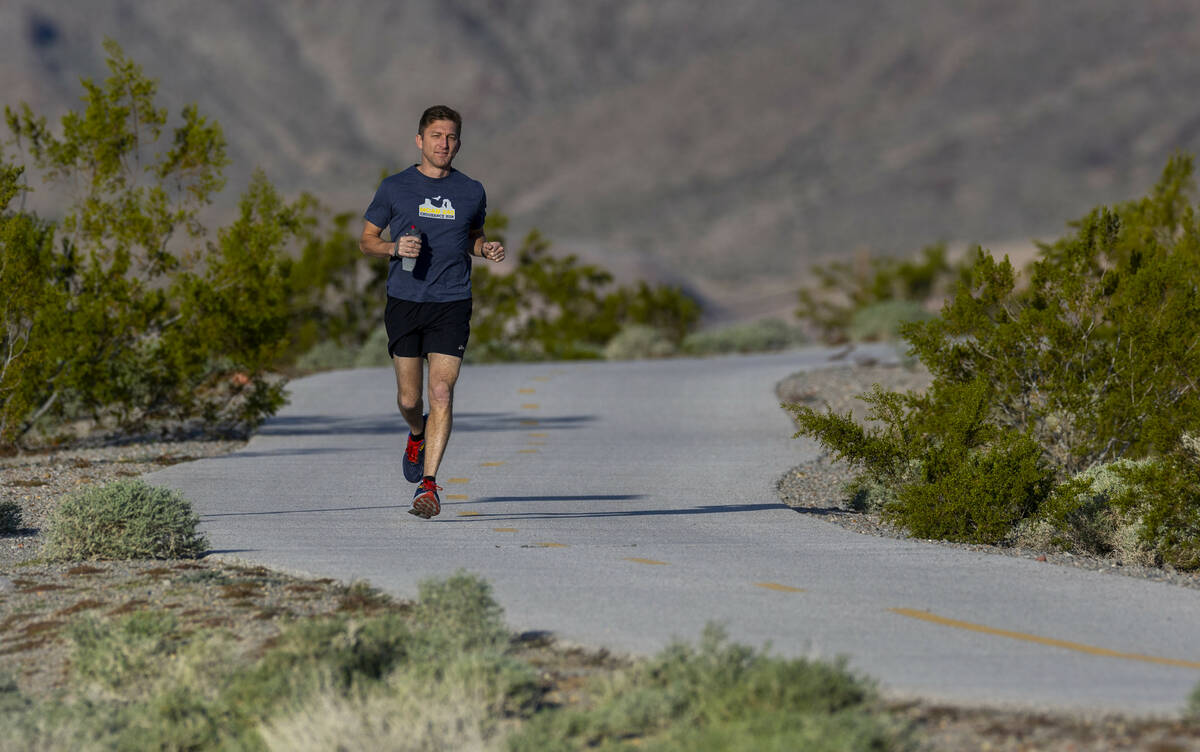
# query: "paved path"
625 504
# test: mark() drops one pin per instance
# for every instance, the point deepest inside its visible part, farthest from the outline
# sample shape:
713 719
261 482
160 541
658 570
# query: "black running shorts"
416 329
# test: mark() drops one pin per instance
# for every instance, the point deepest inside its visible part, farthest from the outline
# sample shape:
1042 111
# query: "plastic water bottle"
407 263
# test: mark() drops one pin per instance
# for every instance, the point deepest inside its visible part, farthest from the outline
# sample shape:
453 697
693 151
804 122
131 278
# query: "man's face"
439 143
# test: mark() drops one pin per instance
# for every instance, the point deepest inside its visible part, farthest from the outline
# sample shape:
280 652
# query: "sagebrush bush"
1082 515
145 682
374 350
10 517
882 321
125 519
638 341
720 696
756 336
327 355
459 612
1165 496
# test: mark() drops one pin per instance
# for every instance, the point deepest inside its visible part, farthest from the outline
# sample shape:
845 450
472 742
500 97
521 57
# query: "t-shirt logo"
445 211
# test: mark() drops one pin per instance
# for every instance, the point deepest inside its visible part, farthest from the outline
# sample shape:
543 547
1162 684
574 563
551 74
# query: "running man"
435 217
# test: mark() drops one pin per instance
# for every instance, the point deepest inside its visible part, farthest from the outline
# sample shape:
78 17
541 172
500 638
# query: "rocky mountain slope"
726 146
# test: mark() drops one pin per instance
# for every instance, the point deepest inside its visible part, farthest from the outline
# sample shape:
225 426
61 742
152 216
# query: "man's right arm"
371 243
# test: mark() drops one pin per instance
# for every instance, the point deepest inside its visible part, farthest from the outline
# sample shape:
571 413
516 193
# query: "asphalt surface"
624 505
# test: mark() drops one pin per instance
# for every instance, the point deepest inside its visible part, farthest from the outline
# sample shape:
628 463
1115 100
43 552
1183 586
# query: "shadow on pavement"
392 424
589 497
710 509
213 515
241 455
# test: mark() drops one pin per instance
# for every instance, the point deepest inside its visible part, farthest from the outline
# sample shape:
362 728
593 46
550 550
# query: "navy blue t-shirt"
445 210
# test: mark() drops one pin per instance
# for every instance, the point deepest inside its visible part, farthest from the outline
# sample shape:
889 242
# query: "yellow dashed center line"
458 480
1048 641
646 561
529 423
530 406
537 435
550 545
458 497
490 464
469 514
780 588
526 391
504 530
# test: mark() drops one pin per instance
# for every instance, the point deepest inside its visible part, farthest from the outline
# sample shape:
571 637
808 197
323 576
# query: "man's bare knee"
408 404
441 395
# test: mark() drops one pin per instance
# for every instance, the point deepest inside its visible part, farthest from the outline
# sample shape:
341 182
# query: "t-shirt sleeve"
477 220
379 213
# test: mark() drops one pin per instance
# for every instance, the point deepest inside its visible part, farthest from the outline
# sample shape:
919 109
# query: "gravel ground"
817 487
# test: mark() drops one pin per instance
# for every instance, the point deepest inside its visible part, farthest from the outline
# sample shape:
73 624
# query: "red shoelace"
412 452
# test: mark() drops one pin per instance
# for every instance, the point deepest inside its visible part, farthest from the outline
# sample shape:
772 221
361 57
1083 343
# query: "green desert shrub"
1088 361
125 519
974 496
638 341
756 336
1096 353
334 290
10 517
843 289
881 321
950 473
555 307
125 311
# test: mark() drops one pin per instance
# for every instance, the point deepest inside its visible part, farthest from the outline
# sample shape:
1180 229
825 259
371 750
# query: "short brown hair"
438 112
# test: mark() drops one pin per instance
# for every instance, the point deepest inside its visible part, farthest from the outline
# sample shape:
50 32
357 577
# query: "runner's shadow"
599 514
329 425
214 515
473 422
391 424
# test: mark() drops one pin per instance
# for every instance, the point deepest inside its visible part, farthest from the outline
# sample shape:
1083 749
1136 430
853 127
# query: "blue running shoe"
425 500
414 458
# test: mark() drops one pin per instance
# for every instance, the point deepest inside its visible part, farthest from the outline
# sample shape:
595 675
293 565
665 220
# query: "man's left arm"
484 248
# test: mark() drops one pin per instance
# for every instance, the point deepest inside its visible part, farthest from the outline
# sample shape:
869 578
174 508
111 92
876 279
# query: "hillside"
723 145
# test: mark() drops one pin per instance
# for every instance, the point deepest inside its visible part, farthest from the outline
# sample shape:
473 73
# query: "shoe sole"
426 507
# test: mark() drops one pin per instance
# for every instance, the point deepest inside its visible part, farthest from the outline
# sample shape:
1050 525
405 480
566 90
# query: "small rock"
1041 557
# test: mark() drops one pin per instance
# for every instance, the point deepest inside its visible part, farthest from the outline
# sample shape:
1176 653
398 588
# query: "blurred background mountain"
724 146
